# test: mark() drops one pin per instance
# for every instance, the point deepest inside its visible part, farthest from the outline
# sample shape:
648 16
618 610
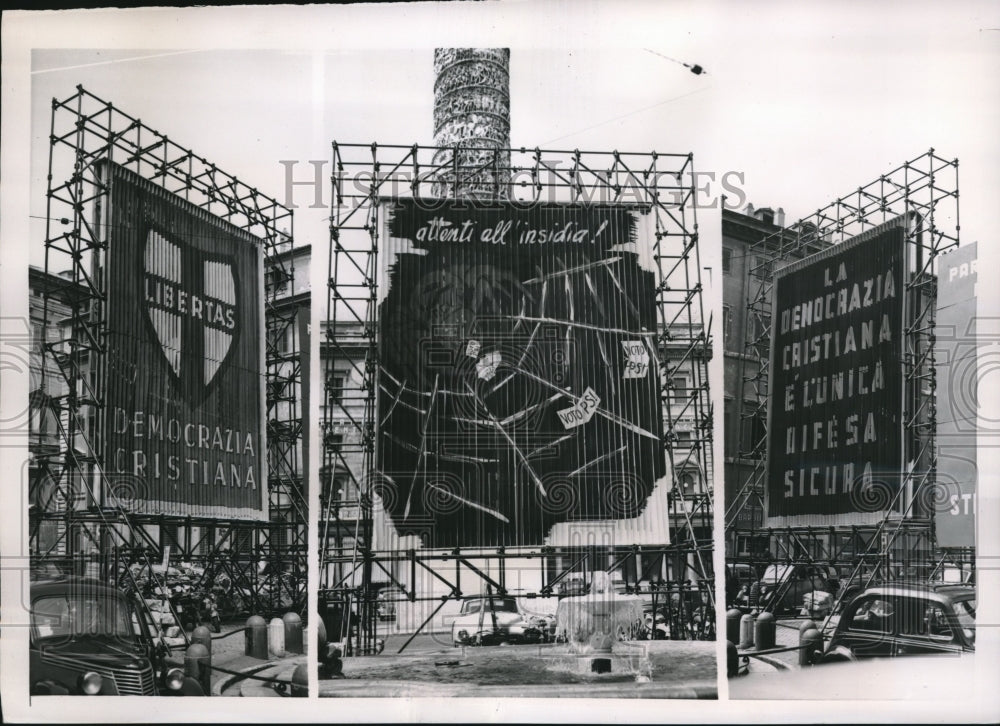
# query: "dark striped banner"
519 380
836 387
184 407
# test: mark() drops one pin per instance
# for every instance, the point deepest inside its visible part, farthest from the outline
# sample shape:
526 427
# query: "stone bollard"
276 637
812 644
255 635
806 625
198 665
733 624
732 659
320 636
300 681
293 633
765 631
202 636
746 630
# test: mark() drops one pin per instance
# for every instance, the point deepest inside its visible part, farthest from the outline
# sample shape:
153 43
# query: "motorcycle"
196 609
208 612
186 607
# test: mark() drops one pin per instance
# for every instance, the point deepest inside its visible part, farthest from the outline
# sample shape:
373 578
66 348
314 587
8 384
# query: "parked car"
91 639
903 619
544 622
782 587
573 585
494 620
386 601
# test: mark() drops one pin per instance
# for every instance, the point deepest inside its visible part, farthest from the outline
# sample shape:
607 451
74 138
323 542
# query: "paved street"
786 636
228 651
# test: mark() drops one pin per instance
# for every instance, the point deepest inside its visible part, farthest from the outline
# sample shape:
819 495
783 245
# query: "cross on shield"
191 302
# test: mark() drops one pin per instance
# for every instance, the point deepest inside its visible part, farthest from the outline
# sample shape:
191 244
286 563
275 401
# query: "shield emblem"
191 303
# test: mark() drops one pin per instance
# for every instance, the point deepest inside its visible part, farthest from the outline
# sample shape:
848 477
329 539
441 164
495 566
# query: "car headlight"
91 683
174 680
463 635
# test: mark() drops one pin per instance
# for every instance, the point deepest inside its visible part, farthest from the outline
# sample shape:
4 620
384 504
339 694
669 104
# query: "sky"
798 105
249 110
805 102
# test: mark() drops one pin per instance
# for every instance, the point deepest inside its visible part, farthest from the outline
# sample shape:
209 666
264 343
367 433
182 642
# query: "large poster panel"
184 409
519 380
836 396
957 379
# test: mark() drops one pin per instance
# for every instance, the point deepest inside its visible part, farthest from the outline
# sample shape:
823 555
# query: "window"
168 536
336 388
680 386
727 260
762 266
728 439
683 439
80 613
727 327
688 482
244 540
965 611
933 623
742 544
751 430
334 443
279 535
874 615
500 605
277 337
206 541
276 280
756 327
346 491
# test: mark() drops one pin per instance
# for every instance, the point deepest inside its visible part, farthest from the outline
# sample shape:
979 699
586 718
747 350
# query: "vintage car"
494 620
385 604
783 586
90 639
573 585
903 619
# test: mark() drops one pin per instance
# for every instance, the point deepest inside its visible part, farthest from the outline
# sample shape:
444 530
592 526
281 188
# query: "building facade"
750 239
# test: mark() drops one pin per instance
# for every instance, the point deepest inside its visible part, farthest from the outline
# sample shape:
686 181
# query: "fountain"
596 626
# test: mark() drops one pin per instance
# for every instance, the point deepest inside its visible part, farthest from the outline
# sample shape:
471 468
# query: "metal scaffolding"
902 543
84 513
364 175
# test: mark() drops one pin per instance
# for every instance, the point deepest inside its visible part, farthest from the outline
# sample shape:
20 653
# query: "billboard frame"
91 531
925 189
363 174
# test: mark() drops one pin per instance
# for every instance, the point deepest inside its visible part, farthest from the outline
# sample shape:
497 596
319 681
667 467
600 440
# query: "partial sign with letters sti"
184 413
836 396
956 355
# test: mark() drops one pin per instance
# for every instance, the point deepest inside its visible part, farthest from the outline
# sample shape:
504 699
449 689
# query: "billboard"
519 378
184 410
957 379
835 428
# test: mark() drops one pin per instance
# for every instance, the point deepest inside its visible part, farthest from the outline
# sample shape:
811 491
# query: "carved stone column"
472 119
